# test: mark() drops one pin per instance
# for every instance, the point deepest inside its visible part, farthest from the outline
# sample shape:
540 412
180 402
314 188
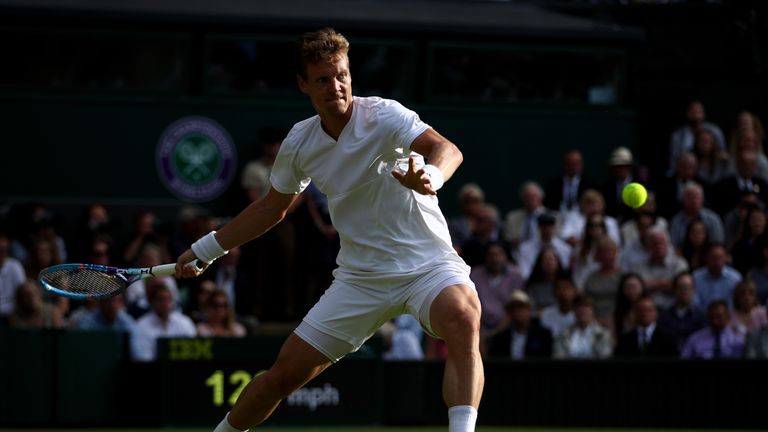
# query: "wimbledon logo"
196 159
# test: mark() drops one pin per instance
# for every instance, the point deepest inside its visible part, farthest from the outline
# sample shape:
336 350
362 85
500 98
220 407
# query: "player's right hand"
415 179
185 268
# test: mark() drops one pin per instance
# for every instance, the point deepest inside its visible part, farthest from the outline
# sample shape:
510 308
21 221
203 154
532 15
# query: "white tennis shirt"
383 226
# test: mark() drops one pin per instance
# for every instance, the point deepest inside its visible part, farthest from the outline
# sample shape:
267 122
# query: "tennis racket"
93 281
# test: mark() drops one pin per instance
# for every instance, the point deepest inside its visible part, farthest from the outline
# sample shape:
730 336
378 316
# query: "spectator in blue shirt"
718 340
716 280
109 315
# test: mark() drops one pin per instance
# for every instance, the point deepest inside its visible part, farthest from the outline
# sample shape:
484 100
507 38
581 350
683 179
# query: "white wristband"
208 249
436 177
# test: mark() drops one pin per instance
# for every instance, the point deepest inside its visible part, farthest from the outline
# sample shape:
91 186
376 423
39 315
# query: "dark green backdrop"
62 149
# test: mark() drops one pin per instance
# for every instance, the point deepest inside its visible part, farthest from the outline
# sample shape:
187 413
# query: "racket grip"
170 269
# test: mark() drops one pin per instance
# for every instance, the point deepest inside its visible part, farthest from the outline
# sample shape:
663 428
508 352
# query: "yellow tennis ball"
634 195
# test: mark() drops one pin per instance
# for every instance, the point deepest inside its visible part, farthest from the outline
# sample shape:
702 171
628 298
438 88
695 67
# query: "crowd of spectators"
572 273
586 276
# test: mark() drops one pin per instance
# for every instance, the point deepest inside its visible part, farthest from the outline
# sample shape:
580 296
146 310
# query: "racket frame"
129 275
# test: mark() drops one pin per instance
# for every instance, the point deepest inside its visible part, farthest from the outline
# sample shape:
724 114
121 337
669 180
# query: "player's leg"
296 364
455 317
339 323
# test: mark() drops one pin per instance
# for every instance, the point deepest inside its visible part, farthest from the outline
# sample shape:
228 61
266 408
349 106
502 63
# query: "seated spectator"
109 315
400 341
219 317
712 162
196 309
603 283
12 275
631 288
471 198
716 280
747 123
95 223
684 317
694 244
136 295
583 257
39 225
523 224
644 218
662 265
530 250
560 315
682 139
745 253
757 344
735 219
759 273
693 208
524 338
487 230
718 339
636 249
30 311
592 203
747 142
81 309
747 315
161 321
145 232
254 179
728 191
669 191
647 339
586 338
43 253
540 285
622 173
495 281
229 279
562 193
98 251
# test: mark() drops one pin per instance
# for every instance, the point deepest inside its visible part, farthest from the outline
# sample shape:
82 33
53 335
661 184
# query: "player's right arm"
253 221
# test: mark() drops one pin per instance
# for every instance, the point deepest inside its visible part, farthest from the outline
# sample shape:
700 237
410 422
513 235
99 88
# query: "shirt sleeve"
286 177
405 124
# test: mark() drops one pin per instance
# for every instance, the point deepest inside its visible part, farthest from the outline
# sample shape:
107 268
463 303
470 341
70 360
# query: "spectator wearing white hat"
524 337
621 165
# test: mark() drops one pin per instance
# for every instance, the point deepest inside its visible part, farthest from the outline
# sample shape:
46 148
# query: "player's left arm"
443 157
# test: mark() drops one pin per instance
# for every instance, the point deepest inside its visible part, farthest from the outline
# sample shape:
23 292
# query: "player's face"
329 86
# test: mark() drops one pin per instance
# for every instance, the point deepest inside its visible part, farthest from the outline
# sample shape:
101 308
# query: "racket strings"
87 282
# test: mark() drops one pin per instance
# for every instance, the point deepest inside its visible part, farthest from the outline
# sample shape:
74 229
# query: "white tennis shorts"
353 308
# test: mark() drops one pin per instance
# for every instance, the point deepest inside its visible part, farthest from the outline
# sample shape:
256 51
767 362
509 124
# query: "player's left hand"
415 179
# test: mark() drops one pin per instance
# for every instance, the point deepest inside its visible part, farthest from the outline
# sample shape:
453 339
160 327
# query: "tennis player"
365 154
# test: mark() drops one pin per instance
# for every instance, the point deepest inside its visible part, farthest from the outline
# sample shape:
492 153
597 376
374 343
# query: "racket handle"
170 269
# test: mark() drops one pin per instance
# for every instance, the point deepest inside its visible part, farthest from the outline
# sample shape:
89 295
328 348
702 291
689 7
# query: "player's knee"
464 317
279 383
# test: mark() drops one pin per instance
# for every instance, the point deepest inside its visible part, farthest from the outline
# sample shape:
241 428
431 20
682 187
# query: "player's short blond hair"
324 44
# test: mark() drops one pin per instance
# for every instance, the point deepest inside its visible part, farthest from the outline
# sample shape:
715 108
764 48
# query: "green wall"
70 148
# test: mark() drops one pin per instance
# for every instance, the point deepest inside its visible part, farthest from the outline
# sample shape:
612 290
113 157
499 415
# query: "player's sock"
224 426
461 418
